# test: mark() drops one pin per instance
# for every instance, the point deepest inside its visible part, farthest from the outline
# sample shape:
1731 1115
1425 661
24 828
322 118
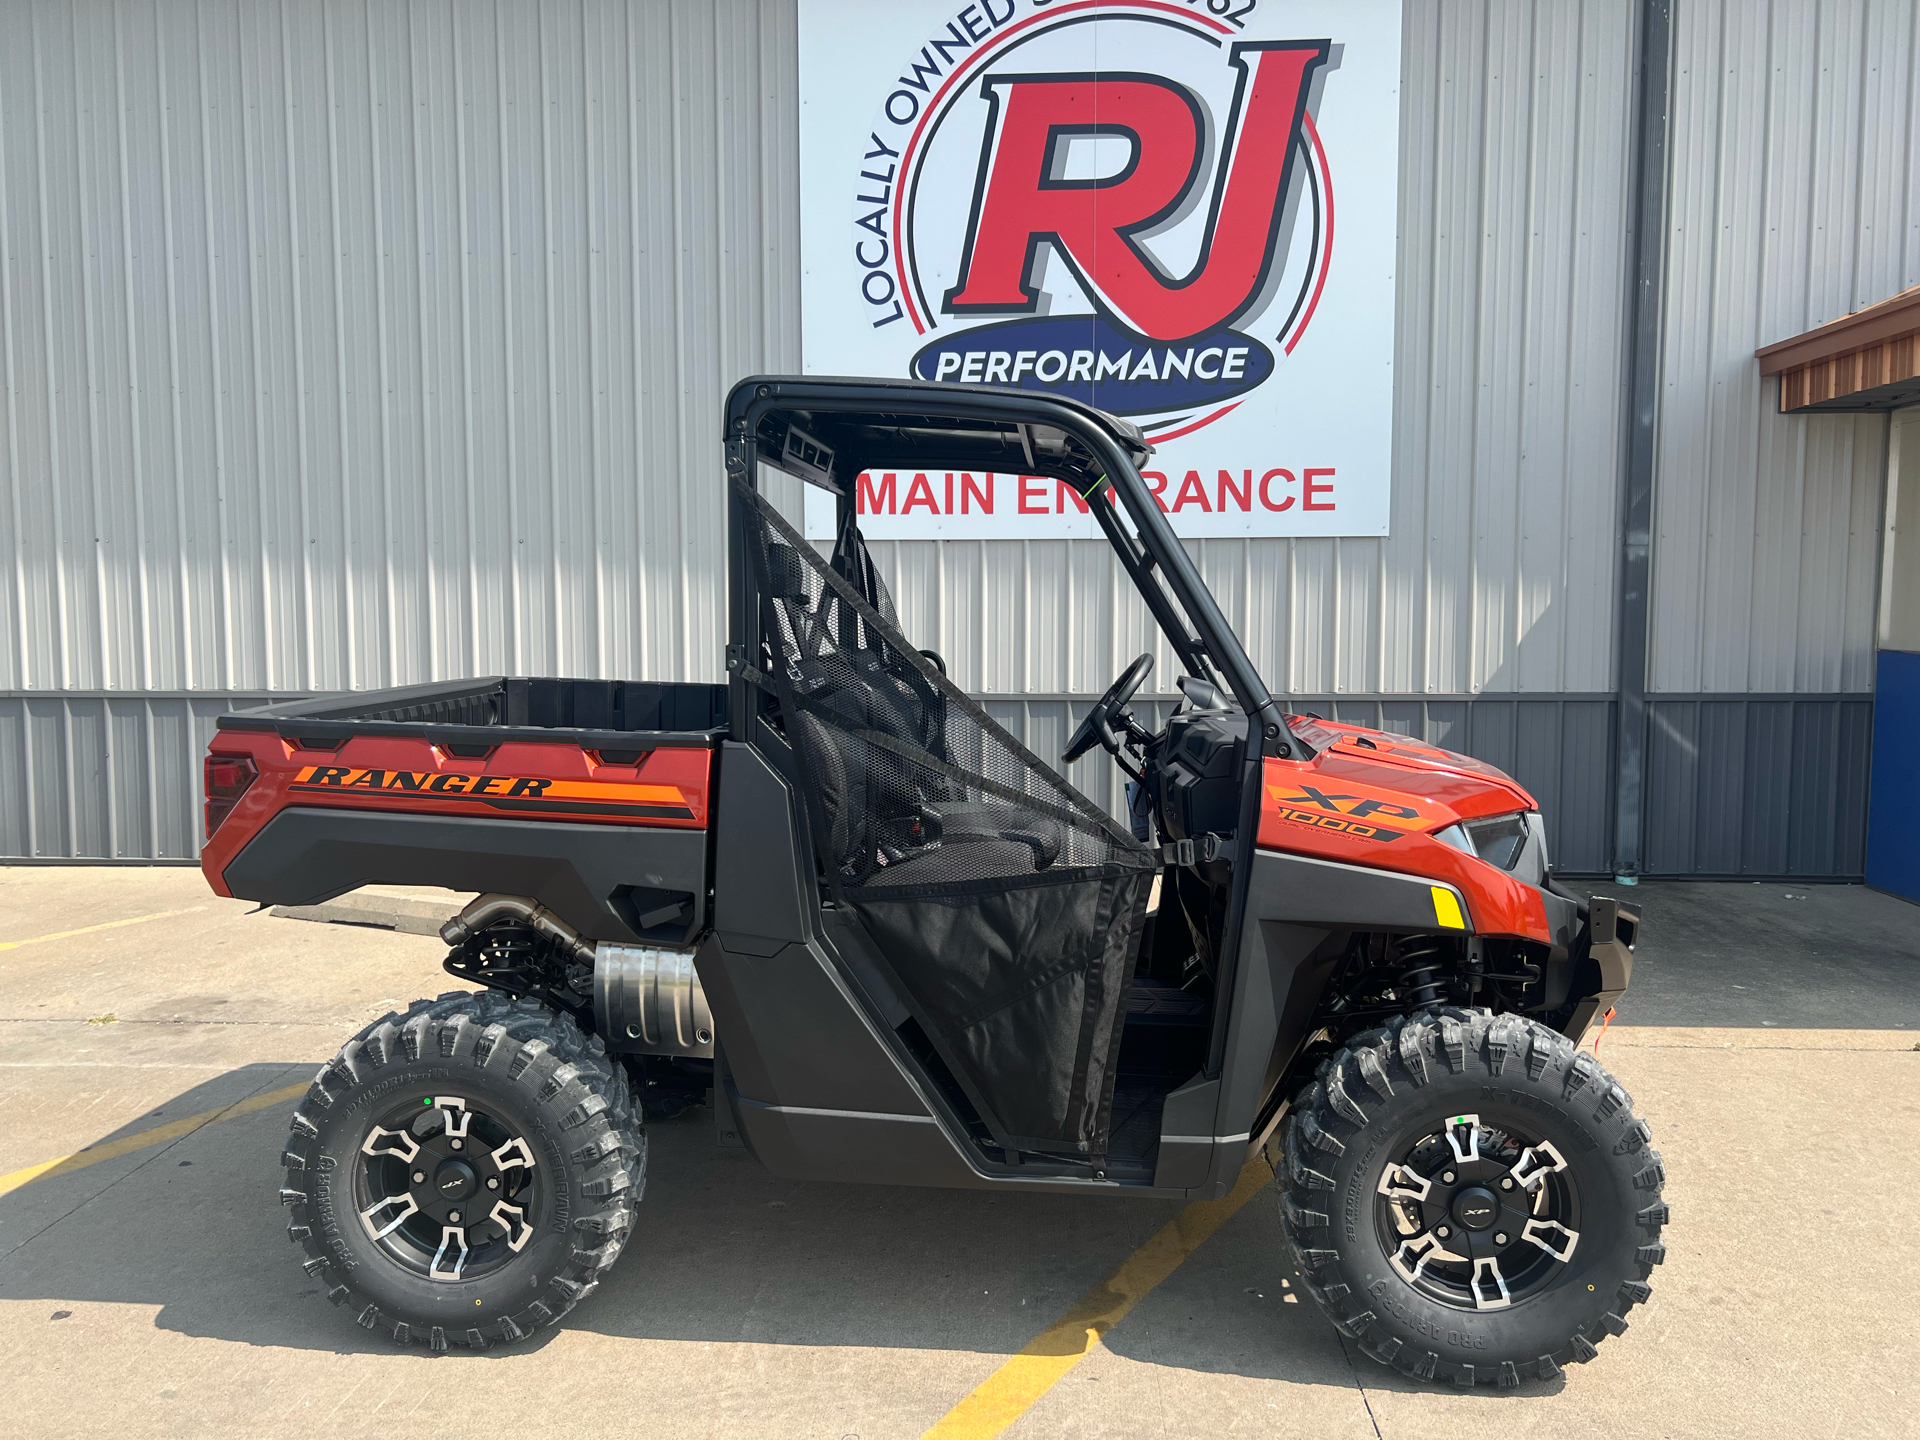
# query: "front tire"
1420 1146
464 1173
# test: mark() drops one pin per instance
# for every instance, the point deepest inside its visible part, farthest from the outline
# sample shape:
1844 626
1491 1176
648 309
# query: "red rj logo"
1021 198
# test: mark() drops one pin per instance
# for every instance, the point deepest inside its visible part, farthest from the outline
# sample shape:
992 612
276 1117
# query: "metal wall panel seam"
72 795
150 755
510 401
263 554
680 223
644 621
1403 566
350 588
470 550
428 474
591 100
27 773
228 668
1503 276
22 663
388 530
63 651
101 656
1612 311
185 665
306 672
552 639
1550 278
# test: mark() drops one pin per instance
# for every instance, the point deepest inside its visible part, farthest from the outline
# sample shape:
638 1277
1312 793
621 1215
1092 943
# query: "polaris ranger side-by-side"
894 945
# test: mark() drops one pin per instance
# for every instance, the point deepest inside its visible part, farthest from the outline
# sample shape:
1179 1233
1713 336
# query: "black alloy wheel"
465 1173
445 1188
1470 1198
1477 1218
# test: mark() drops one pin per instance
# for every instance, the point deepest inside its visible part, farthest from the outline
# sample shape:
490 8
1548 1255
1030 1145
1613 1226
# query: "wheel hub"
455 1180
1475 1207
446 1188
1478 1218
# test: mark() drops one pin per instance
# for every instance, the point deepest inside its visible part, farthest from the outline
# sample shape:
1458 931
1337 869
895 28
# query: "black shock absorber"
1421 979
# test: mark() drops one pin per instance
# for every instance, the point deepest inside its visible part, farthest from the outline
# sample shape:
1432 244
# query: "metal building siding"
353 344
1795 198
357 344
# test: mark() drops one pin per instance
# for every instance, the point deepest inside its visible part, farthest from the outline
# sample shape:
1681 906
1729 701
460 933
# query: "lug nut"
454 1216
455 1143
1447 1179
493 1184
419 1177
1500 1239
1443 1232
1507 1184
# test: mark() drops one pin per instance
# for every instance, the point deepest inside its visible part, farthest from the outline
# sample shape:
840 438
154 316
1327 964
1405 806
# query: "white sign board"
1181 211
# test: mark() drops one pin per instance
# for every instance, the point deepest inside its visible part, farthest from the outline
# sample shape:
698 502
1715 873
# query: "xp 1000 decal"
1181 211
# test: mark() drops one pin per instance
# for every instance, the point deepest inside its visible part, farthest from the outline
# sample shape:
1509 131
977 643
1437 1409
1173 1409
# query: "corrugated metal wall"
357 344
1758 785
106 775
1795 198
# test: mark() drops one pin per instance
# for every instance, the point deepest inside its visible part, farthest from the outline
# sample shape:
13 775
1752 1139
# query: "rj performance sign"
1181 211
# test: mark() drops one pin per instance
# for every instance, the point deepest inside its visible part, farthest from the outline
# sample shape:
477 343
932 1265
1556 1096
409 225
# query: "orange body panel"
518 780
1374 799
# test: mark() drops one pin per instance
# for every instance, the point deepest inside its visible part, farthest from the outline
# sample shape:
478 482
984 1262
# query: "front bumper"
1612 929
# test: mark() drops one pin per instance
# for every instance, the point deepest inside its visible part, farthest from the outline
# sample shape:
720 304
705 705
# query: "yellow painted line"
89 929
141 1139
1007 1394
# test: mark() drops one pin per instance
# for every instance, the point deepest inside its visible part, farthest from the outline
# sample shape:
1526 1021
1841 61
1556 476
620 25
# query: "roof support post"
1643 392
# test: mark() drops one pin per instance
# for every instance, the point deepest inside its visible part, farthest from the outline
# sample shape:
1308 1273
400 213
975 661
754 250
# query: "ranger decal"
501 792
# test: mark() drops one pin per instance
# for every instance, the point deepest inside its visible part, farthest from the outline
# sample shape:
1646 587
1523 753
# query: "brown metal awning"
1869 360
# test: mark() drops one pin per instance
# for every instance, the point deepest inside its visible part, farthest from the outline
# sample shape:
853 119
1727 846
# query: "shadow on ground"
723 1252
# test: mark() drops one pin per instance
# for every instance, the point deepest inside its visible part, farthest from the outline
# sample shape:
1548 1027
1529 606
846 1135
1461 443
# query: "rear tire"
1384 1111
494 1079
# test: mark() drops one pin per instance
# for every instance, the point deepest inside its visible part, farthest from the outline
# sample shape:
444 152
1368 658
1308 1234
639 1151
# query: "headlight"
1498 839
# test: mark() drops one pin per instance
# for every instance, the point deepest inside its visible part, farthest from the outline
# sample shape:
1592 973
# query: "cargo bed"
612 716
590 796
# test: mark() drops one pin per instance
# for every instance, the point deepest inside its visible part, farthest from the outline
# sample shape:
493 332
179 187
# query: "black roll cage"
859 424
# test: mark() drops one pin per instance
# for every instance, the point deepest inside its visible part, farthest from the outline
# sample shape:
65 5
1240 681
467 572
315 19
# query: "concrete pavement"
156 1293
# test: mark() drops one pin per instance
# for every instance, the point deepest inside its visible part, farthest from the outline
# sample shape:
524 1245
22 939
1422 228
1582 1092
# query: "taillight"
227 777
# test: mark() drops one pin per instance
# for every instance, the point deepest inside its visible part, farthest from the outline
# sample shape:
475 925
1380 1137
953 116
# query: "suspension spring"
1421 979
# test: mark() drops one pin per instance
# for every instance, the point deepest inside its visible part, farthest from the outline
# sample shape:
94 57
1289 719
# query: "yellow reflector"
1446 909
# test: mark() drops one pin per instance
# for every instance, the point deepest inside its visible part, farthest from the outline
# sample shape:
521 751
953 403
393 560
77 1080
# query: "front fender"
1299 912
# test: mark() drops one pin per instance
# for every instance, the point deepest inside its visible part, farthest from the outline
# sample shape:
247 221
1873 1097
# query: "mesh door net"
1008 906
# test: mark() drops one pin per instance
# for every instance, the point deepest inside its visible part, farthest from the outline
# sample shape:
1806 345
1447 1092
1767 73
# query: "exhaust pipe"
485 910
645 1001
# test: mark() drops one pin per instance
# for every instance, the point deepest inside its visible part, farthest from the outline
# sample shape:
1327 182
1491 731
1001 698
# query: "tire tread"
562 1068
1325 1120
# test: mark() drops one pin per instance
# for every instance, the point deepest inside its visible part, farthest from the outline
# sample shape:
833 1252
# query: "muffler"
649 1002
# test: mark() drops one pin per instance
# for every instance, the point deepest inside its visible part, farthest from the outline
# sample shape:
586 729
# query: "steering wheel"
1097 728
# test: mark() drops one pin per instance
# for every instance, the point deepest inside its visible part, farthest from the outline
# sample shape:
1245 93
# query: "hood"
1469 788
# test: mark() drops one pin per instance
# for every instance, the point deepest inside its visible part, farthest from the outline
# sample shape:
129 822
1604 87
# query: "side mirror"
1204 696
